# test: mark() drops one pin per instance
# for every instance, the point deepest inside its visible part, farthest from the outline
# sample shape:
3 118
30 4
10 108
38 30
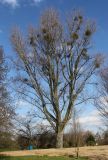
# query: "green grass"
38 158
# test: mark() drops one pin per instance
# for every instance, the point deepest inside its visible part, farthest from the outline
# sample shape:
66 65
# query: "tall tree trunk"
59 139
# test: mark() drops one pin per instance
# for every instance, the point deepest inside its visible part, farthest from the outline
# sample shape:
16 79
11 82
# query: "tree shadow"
4 157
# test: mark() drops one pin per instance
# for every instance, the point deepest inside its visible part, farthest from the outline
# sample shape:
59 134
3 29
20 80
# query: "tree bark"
59 139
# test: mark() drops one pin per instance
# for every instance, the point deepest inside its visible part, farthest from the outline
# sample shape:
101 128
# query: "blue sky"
26 12
22 13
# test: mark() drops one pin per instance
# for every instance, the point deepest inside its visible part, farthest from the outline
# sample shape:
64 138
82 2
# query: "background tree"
25 130
31 133
98 138
77 131
6 109
102 101
74 138
89 138
55 65
7 140
46 138
105 137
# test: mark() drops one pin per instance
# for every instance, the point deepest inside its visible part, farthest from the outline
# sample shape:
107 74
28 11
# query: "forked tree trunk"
59 139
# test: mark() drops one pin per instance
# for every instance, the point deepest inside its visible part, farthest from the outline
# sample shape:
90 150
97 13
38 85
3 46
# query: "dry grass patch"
95 152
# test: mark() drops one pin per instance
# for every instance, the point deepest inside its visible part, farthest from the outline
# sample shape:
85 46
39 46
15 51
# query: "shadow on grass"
2 157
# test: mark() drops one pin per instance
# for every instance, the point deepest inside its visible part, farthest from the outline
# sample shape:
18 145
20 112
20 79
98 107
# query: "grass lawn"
38 158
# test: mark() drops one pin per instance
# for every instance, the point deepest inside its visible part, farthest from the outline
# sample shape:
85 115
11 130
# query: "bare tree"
55 66
6 110
45 137
76 131
26 129
102 101
30 132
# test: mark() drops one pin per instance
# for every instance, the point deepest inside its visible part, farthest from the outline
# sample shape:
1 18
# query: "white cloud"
92 118
21 103
22 107
37 1
12 3
15 3
88 121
